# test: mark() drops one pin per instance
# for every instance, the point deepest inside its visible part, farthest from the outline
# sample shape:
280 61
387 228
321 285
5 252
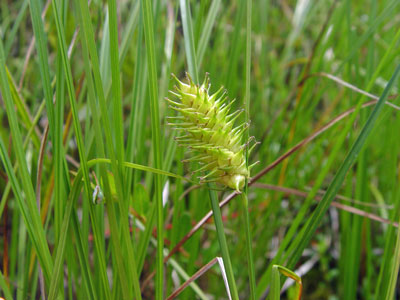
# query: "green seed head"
209 132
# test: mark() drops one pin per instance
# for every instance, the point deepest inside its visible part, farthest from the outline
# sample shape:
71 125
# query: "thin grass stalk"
245 202
147 12
23 252
38 188
59 190
249 250
60 171
370 276
222 242
390 291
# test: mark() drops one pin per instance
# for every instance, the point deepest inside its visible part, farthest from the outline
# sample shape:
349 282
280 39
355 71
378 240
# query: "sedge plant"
213 142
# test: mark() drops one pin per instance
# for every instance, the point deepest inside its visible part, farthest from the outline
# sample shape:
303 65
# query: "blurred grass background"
88 82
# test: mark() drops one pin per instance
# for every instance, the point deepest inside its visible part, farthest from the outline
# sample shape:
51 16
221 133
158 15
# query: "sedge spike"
208 126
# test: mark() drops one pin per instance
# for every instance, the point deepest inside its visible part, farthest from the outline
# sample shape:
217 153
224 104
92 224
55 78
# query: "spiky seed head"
210 132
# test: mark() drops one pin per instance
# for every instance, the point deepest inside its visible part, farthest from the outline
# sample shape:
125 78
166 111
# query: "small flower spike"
209 132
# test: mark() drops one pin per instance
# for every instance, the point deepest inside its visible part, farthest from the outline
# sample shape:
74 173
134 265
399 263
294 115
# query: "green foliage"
82 114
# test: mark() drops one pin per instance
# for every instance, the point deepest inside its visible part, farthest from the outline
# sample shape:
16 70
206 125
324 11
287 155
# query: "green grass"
106 117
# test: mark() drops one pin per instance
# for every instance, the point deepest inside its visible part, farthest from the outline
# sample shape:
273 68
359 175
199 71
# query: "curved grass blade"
96 161
276 284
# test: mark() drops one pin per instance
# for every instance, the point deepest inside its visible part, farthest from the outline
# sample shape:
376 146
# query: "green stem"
222 243
249 249
245 201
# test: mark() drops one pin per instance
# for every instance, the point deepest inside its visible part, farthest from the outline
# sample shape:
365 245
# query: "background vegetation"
82 91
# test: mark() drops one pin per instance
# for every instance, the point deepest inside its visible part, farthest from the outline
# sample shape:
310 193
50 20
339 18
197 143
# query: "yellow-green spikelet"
210 133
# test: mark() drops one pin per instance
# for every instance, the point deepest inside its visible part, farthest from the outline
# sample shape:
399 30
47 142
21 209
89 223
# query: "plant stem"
245 201
249 249
222 243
